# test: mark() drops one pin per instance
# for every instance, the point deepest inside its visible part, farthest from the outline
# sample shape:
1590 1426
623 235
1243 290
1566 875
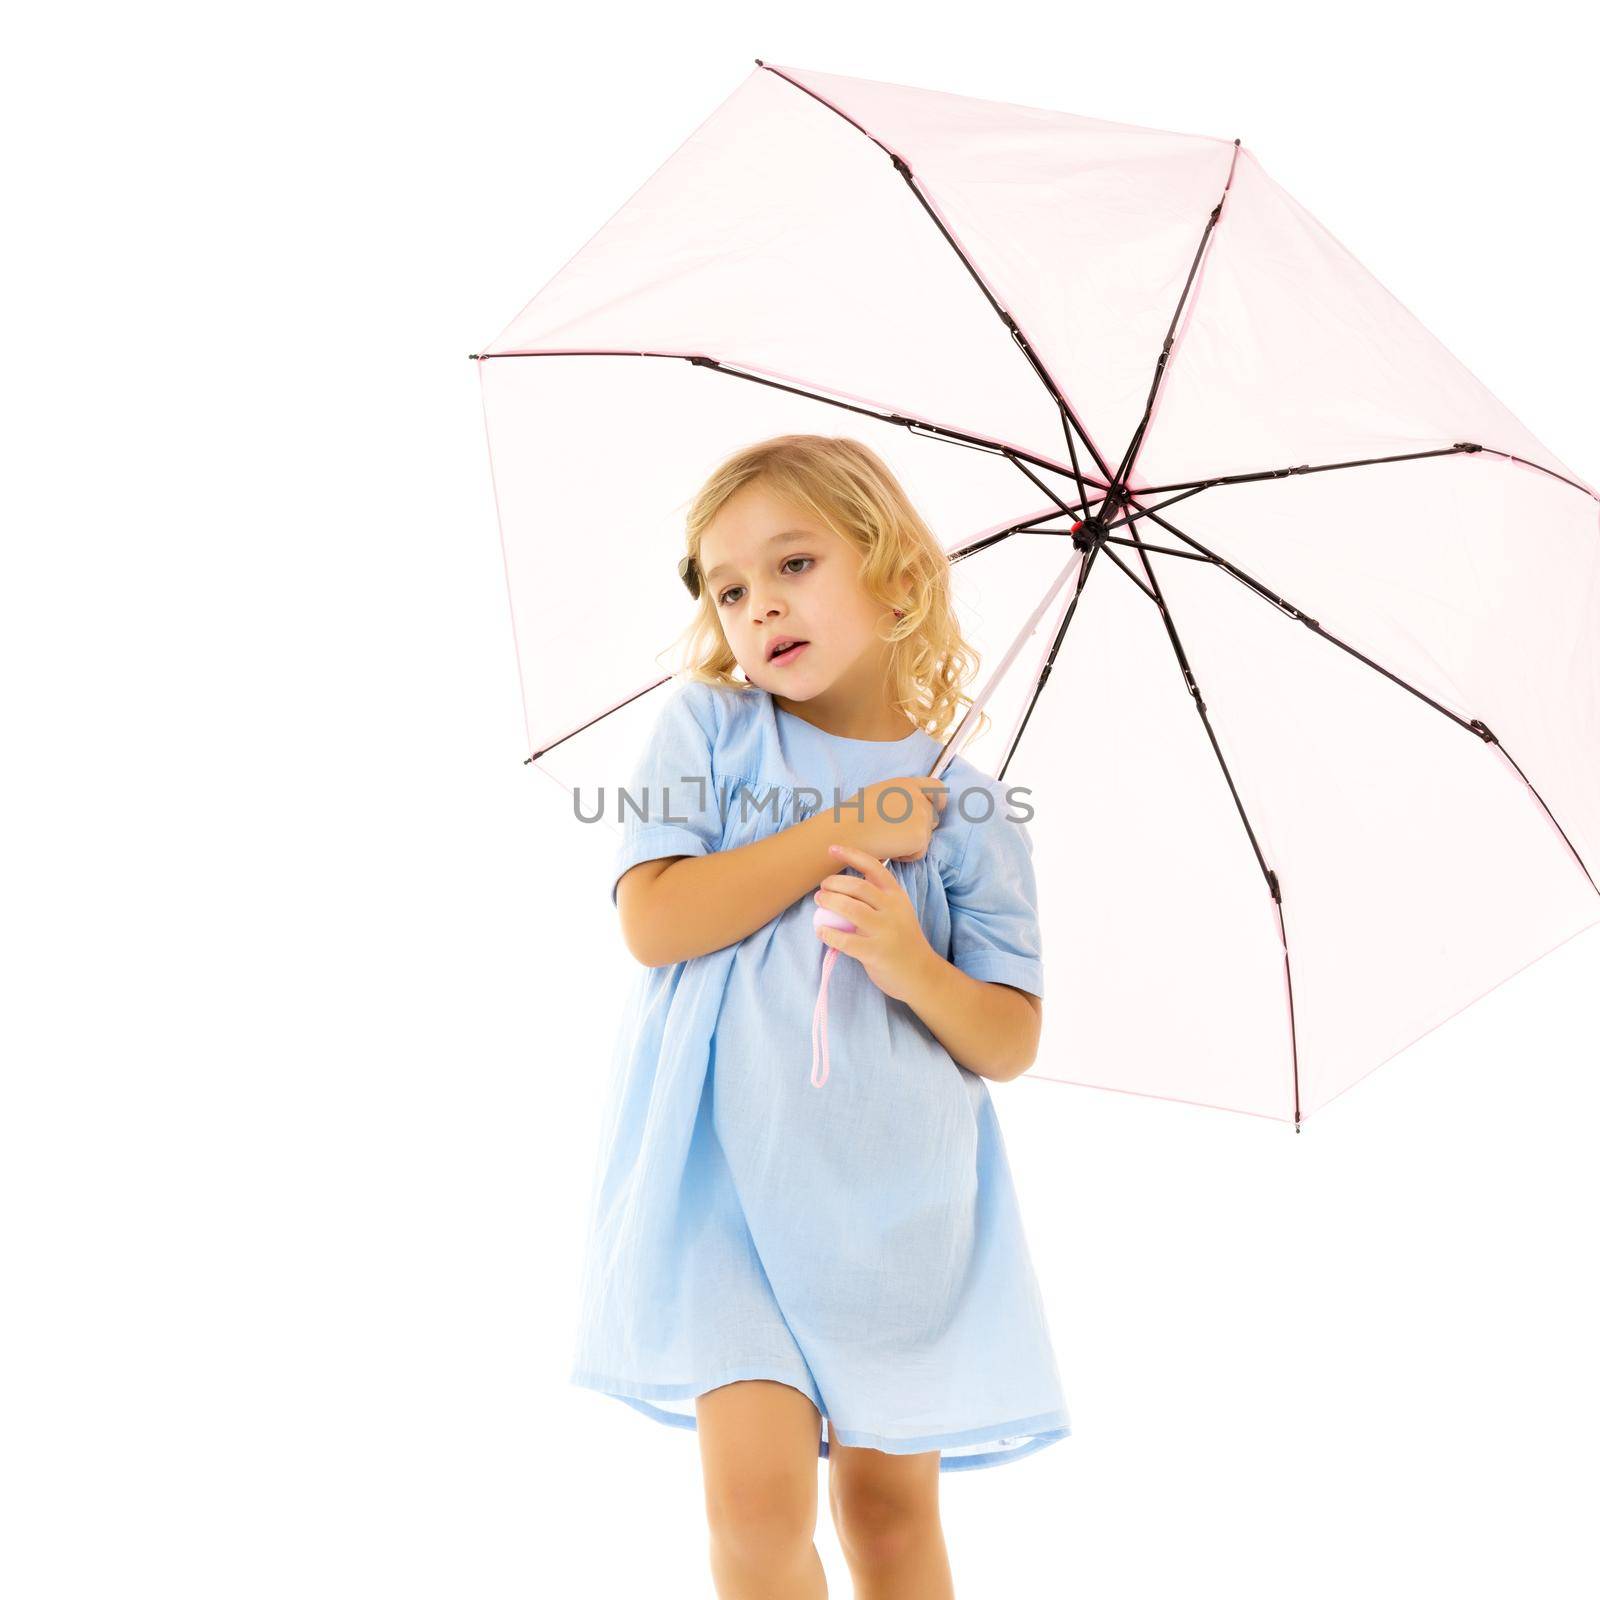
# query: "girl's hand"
888 941
898 817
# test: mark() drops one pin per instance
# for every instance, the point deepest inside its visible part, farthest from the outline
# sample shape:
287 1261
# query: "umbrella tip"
760 62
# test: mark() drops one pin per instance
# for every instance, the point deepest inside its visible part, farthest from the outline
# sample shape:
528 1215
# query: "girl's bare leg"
886 1509
759 1441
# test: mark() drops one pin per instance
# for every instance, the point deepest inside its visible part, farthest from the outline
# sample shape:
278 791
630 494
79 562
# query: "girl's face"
775 574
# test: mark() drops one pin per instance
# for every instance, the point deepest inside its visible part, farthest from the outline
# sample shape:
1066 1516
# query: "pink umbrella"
1314 760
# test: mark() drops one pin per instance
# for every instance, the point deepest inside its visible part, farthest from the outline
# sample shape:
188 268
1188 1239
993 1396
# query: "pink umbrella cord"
819 1021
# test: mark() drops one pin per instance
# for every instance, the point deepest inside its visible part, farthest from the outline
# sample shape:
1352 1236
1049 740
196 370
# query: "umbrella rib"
1166 550
1134 444
1549 813
916 425
1049 662
1069 418
1196 484
1474 725
983 542
599 716
1039 483
1272 877
947 750
1133 576
935 430
1153 591
1193 484
1291 610
1506 455
1060 634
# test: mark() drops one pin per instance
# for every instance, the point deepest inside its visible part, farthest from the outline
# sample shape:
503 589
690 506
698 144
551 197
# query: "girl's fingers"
868 865
842 883
846 905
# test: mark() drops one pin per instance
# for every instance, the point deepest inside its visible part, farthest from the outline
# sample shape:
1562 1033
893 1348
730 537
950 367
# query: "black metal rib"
915 424
1144 512
1327 466
1040 484
1549 813
1130 455
1027 525
1129 570
1153 591
592 720
1069 419
1049 662
1370 461
1188 555
1505 455
933 430
1267 872
1294 611
1472 725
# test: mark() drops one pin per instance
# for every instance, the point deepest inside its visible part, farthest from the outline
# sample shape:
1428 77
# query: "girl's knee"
883 1530
762 1521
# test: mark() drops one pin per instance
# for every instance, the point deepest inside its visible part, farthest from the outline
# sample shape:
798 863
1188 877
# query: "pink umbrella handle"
822 918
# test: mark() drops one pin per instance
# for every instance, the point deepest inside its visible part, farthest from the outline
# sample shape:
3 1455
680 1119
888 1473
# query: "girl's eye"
810 561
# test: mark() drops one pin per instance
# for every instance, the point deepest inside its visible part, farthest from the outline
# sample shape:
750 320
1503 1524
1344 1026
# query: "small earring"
898 612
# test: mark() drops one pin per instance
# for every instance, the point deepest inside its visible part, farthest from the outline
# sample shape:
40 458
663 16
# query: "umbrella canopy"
1311 741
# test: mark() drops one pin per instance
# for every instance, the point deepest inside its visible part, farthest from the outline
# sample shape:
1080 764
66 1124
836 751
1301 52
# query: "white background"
307 991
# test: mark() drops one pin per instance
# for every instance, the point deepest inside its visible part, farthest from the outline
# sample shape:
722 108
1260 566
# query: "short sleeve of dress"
994 905
670 806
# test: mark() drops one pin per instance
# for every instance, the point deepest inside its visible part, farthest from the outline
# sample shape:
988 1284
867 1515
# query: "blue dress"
859 1241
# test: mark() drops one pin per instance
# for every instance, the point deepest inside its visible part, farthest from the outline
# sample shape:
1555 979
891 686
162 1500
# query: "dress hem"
1032 1433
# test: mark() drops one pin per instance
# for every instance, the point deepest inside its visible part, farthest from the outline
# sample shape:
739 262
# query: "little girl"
800 1268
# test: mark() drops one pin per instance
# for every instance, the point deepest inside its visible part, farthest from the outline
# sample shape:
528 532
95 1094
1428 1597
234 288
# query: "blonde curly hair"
849 488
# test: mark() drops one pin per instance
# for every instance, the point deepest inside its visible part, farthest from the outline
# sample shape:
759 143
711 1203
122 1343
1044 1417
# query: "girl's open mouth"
788 653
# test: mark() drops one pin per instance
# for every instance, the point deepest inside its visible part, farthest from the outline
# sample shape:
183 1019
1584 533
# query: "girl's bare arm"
991 1029
678 907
